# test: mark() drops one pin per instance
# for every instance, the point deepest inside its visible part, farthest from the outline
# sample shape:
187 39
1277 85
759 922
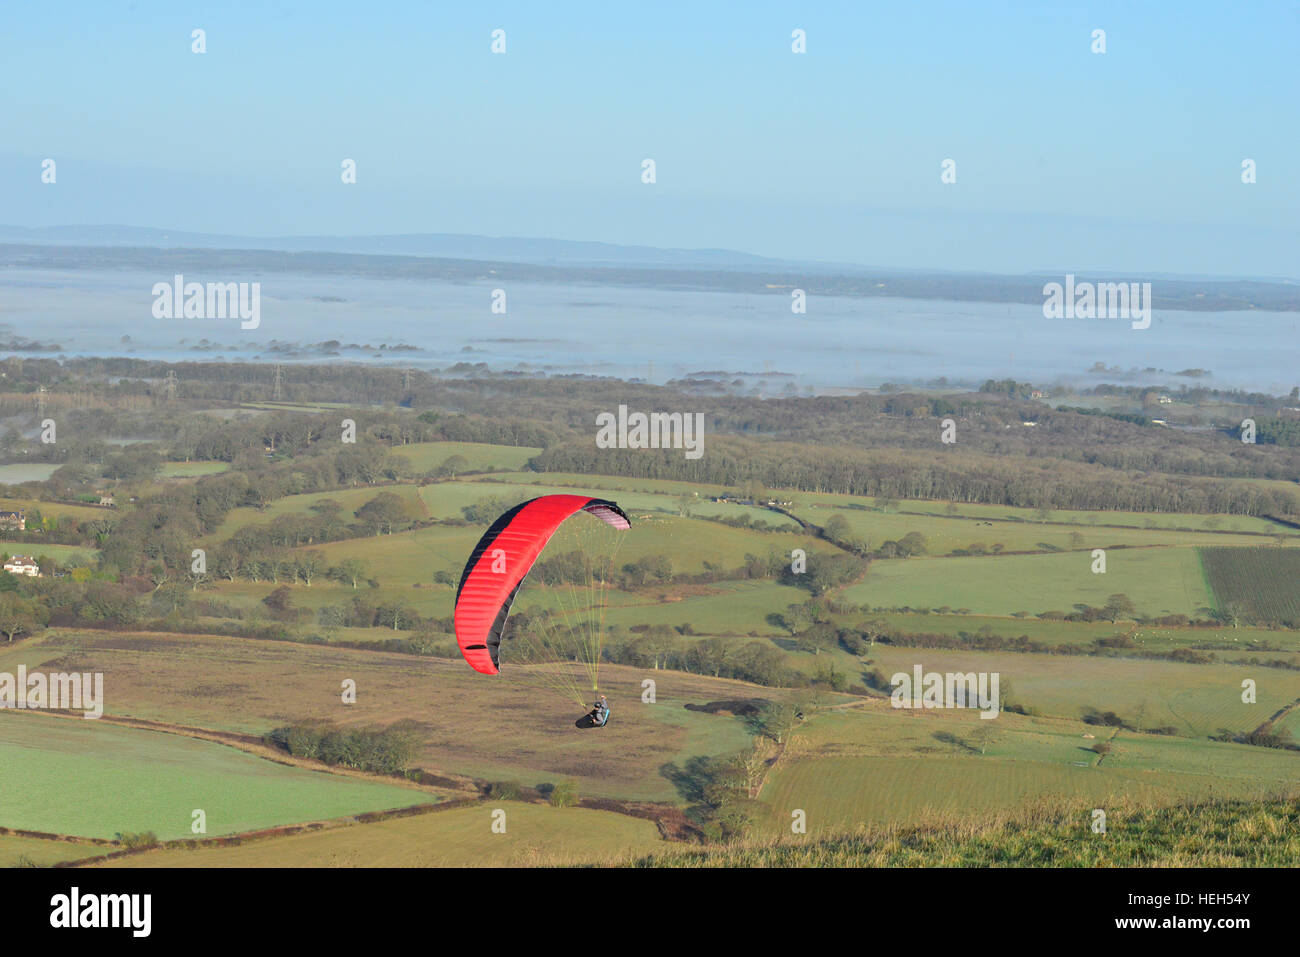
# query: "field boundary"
235 840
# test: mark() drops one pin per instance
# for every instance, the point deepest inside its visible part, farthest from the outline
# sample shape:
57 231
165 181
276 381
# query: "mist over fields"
638 320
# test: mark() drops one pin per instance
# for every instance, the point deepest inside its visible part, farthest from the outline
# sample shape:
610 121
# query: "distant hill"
560 261
426 245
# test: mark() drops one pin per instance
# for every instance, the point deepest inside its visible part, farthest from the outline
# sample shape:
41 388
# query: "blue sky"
1065 159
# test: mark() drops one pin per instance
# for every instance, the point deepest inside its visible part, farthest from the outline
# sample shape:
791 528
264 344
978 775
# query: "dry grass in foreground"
1201 834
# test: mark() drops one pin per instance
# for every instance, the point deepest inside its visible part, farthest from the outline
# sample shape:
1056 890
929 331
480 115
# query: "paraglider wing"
501 561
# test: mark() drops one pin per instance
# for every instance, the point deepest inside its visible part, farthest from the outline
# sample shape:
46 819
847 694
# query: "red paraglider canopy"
501 561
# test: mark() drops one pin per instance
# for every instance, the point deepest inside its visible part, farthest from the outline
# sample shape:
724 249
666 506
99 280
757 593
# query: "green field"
92 779
1082 633
615 483
1188 521
446 499
350 499
192 469
1160 581
1195 700
80 512
943 534
59 553
730 608
1263 582
407 558
426 456
1290 723
649 494
850 769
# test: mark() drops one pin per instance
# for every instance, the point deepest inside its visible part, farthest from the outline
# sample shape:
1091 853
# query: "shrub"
504 790
133 840
564 794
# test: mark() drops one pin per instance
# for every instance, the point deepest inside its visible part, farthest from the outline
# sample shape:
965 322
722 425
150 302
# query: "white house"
22 565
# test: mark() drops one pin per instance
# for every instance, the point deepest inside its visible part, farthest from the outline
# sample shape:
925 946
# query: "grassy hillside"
507 727
879 766
1200 834
878 786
